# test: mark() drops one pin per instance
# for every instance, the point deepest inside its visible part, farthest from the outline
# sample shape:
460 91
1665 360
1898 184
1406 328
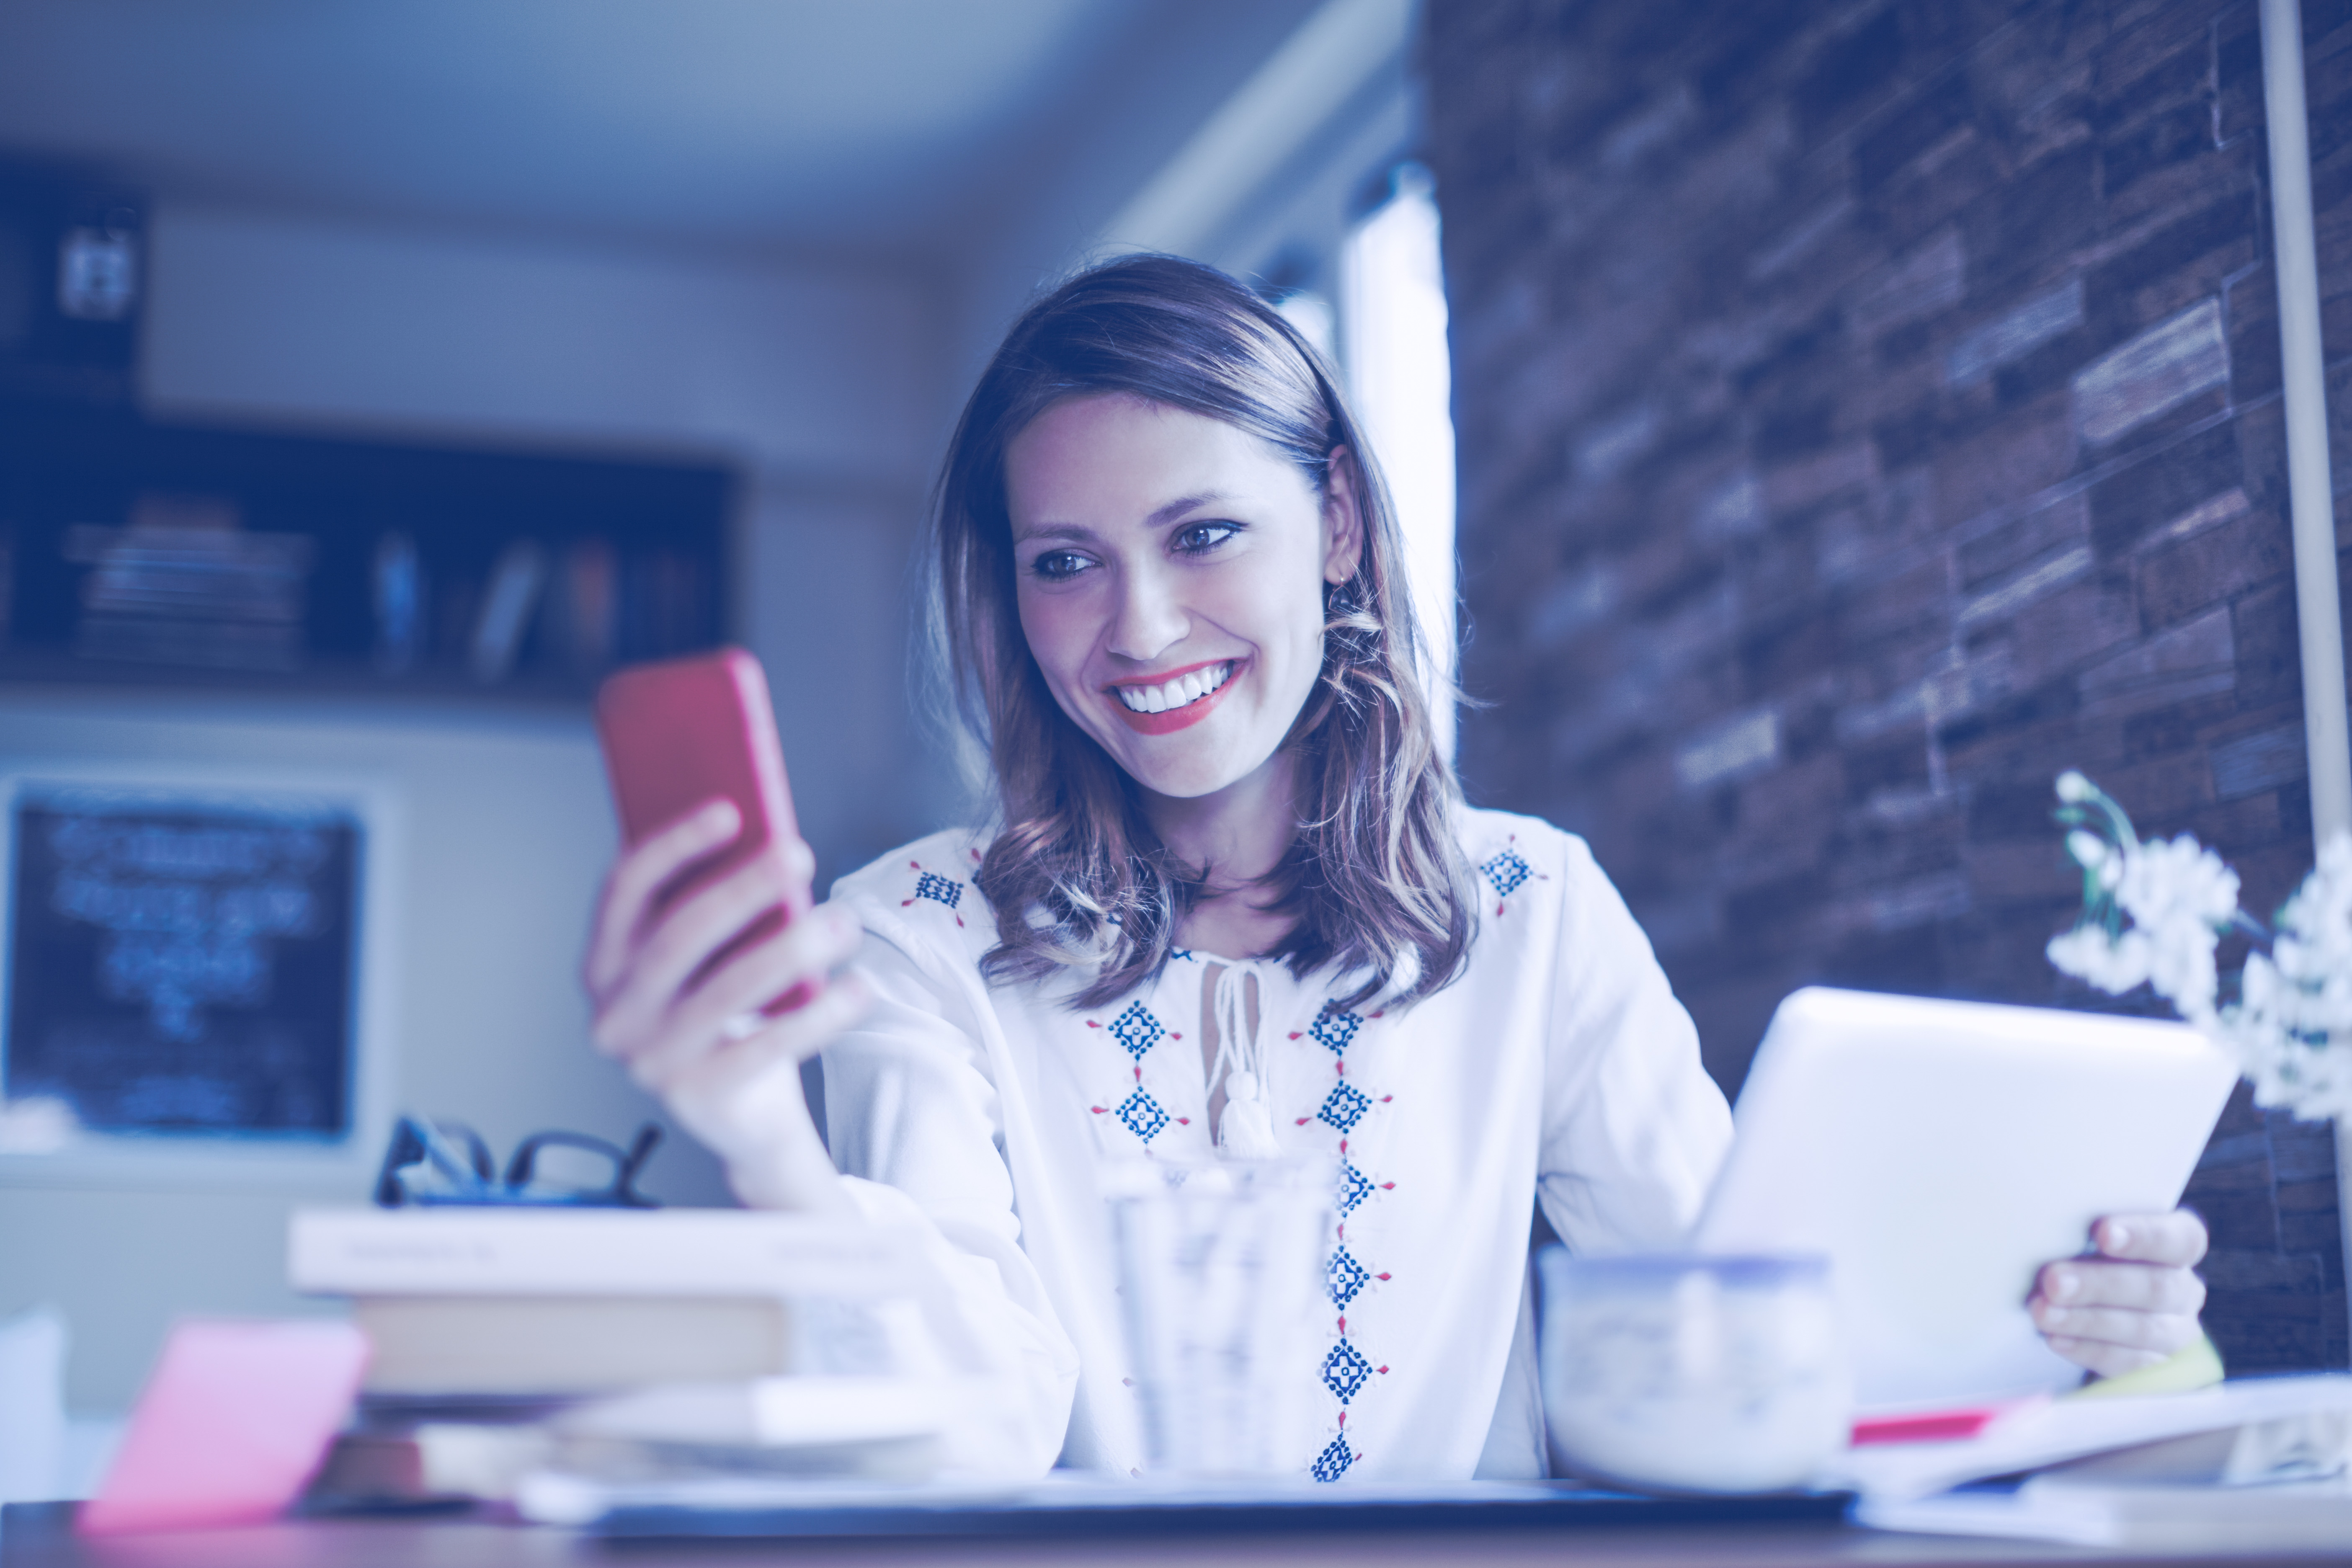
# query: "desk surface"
41 1537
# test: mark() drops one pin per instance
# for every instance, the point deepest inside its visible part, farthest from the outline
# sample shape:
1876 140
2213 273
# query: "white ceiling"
834 124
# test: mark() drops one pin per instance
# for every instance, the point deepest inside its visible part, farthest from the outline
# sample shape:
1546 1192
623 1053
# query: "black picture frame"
184 963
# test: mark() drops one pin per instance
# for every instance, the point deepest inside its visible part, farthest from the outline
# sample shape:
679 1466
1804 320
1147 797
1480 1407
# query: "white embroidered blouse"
1559 1068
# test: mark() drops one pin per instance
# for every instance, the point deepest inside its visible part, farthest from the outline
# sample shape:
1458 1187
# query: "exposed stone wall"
1867 411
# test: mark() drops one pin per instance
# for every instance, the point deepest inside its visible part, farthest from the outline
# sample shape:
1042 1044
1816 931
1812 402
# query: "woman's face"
1171 571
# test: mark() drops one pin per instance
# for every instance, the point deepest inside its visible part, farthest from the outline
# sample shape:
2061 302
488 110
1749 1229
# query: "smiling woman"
1232 907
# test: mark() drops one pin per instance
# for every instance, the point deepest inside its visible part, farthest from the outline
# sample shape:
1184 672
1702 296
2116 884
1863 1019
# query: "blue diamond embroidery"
1335 1028
1142 1115
1344 1371
1507 871
939 889
1344 1278
1354 1188
1137 1029
1333 1462
1344 1107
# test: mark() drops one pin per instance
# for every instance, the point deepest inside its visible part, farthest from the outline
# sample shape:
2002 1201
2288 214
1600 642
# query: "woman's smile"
1161 705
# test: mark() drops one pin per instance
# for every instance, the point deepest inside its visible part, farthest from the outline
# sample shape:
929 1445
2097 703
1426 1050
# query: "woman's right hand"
726 1068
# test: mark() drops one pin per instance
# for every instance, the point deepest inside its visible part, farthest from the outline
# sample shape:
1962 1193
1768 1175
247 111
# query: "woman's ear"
1343 518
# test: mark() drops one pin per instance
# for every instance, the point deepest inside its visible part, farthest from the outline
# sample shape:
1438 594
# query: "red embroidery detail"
1343 1418
1379 1276
1386 1097
1382 1012
1295 1034
1343 1325
1388 1187
905 902
1139 1073
1174 1036
1131 1381
1498 909
1099 1109
914 865
1380 1369
1184 1122
1092 1024
1343 1145
1305 1119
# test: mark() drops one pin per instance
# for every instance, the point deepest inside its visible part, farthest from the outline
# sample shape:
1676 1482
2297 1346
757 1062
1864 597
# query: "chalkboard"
182 963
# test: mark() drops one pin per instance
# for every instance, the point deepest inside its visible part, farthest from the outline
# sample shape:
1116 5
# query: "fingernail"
2119 1237
2062 1285
2052 1316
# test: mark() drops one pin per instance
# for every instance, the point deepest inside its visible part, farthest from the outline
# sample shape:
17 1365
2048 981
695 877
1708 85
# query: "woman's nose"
1151 620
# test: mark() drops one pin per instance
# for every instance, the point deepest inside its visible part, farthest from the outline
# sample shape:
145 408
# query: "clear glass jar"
1695 1374
1220 1265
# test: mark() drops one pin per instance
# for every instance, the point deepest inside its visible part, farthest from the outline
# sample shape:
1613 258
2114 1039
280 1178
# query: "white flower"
2181 967
2291 1028
2113 964
2319 916
2180 880
2094 854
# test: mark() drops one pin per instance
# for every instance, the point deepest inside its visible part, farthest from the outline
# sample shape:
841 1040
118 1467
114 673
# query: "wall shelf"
604 561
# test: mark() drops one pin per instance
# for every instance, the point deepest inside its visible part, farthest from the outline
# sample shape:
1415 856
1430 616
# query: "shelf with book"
139 552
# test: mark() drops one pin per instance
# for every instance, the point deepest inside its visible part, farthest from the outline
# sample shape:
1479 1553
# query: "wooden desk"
40 1537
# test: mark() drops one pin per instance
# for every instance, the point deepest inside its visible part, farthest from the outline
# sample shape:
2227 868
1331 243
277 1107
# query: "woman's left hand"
2133 1304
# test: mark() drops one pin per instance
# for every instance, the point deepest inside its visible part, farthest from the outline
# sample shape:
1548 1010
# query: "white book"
771 1411
625 1252
557 1346
2229 1522
2071 1429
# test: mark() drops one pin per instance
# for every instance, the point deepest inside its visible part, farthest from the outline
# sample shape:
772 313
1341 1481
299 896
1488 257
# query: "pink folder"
232 1423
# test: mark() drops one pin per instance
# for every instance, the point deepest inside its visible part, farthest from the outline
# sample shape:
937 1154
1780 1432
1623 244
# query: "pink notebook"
234 1420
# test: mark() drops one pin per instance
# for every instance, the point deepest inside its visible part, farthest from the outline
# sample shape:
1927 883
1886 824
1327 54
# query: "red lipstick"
1167 721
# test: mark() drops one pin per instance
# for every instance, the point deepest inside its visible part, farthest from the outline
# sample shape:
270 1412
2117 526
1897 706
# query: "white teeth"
1174 693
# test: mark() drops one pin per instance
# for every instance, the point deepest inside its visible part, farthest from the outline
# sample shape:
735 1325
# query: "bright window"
1392 324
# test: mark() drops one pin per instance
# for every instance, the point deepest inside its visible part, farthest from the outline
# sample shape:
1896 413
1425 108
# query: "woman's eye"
1057 565
1200 537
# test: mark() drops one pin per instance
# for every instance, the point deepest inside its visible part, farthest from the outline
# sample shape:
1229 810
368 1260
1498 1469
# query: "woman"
1233 901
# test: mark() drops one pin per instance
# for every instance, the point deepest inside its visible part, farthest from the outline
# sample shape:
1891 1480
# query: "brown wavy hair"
1374 880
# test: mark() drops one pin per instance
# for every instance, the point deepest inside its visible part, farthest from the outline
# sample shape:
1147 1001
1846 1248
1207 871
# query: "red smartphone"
686 731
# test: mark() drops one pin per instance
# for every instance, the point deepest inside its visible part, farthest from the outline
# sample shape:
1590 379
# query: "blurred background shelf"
158 554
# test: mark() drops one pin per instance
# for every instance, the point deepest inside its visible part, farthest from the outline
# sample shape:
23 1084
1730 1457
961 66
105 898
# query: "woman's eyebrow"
1159 517
1053 531
1182 504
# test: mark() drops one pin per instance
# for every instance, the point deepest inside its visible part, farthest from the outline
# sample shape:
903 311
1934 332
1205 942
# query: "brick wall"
1867 411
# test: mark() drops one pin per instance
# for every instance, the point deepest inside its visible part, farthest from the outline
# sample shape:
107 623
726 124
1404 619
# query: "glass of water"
1221 1264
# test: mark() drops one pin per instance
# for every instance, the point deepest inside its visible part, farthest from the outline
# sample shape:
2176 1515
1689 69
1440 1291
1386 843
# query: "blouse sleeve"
1633 1128
915 1124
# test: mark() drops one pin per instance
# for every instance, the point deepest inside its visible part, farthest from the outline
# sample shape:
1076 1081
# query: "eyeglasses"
448 1164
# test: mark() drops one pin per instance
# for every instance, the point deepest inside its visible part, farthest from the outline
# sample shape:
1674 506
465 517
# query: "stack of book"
615 1342
184 585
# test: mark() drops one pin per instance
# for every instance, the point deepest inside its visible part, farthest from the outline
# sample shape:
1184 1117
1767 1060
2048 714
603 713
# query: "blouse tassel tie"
1246 1130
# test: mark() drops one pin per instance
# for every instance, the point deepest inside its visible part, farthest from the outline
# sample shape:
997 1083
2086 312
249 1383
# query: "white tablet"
1939 1153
